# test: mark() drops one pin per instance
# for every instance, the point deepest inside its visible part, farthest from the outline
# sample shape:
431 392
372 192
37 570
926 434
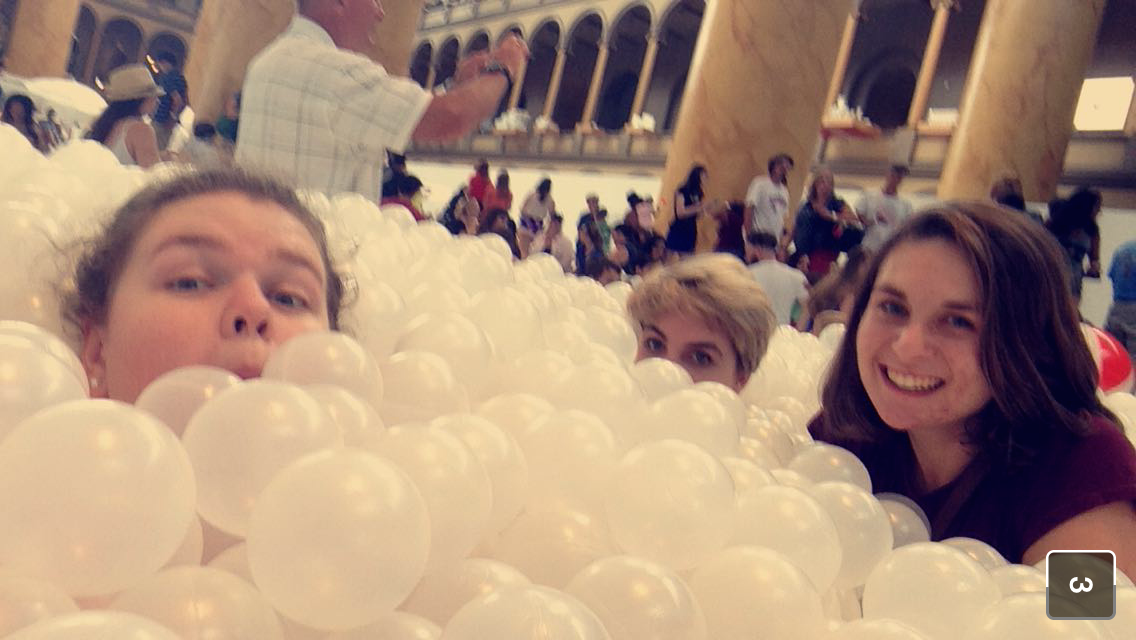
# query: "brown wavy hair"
100 265
1041 373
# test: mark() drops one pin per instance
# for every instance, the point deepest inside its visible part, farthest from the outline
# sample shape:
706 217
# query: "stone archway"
479 42
884 90
82 39
167 42
678 33
7 17
420 63
543 47
584 42
628 44
447 61
121 44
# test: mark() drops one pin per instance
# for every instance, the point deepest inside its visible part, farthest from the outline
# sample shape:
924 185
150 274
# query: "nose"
247 311
912 341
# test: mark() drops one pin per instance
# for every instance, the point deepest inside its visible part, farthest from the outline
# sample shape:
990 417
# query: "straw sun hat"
131 82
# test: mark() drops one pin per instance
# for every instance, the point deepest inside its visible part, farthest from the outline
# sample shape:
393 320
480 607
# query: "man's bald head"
350 23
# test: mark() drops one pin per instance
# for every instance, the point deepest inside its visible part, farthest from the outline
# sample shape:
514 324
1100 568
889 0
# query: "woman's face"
918 341
216 279
149 106
824 185
686 340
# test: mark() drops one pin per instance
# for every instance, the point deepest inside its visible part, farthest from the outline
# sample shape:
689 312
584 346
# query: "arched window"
678 34
543 49
584 43
621 78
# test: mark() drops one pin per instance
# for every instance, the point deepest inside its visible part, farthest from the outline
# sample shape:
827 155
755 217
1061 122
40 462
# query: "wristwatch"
496 67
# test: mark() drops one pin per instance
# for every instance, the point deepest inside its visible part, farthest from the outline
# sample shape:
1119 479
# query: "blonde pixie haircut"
719 290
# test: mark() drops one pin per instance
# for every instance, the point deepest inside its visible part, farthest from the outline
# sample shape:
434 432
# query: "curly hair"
102 262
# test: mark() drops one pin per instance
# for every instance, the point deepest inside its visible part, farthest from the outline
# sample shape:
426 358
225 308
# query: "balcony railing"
444 13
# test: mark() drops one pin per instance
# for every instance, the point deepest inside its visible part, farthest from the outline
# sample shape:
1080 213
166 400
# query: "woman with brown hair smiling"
964 383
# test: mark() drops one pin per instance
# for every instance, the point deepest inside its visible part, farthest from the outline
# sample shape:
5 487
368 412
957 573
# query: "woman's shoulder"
1077 473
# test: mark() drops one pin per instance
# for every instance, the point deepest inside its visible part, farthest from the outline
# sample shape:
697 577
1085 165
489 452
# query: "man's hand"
511 52
471 66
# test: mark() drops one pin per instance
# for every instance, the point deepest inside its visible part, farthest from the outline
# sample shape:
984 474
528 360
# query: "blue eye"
959 322
892 308
289 300
187 284
702 359
654 345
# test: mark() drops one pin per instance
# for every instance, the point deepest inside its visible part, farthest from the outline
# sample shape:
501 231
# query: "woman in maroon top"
964 383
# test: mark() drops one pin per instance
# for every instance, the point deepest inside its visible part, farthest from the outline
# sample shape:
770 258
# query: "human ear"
91 356
740 381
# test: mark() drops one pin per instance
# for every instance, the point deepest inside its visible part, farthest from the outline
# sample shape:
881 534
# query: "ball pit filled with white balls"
479 457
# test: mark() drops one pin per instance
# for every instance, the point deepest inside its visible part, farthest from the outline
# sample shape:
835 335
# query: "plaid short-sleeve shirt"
323 117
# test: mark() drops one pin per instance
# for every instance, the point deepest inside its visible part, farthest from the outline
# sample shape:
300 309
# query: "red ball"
1114 367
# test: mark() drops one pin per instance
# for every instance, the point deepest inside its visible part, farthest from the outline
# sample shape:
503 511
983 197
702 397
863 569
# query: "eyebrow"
950 304
210 243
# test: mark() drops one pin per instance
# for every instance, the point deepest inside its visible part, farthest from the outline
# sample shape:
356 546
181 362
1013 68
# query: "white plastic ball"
176 395
95 495
753 592
327 357
929 587
453 483
337 539
636 598
525 612
671 502
243 437
92 625
201 602
441 593
792 522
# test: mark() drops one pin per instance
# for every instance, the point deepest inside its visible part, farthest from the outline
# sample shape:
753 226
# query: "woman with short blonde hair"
706 314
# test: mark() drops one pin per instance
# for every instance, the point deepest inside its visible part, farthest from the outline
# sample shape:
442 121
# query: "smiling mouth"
911 383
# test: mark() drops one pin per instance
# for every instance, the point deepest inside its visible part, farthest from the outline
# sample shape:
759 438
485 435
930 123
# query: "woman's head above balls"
207 268
706 314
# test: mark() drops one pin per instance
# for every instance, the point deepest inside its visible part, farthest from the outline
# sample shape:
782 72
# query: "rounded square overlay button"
1080 585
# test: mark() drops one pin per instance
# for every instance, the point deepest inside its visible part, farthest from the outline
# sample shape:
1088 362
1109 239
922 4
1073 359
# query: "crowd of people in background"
808 260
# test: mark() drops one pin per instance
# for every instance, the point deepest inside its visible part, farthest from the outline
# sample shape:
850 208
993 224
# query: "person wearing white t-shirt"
882 211
767 199
784 285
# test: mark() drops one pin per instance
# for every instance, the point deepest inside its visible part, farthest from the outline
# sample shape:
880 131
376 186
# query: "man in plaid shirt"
317 111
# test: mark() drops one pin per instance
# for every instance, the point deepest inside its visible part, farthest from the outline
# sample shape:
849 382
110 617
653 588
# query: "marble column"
842 57
394 37
930 63
554 82
518 84
1130 122
40 41
431 76
1016 115
88 73
645 75
756 87
594 89
229 34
